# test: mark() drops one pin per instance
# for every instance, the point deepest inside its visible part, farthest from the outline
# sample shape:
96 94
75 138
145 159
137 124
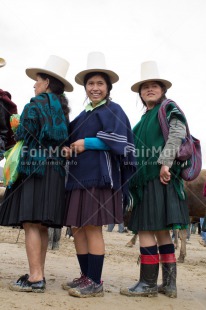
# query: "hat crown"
149 70
96 63
96 60
57 65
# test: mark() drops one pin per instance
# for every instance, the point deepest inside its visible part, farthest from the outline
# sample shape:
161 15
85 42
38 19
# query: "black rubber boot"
169 274
147 285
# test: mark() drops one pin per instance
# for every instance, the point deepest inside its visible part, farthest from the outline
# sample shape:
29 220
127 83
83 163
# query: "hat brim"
136 86
32 73
79 78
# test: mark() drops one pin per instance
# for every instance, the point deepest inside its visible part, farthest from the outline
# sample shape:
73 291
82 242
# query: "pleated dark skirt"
93 207
160 209
36 200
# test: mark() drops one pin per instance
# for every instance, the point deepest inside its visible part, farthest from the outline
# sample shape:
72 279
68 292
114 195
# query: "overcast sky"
128 32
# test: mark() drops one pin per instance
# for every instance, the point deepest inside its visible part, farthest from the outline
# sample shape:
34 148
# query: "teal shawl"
44 129
149 143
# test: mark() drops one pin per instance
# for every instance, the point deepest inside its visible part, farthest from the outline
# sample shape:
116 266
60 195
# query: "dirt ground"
120 270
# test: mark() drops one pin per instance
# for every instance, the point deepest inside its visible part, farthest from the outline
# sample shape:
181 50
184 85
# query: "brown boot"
147 285
169 274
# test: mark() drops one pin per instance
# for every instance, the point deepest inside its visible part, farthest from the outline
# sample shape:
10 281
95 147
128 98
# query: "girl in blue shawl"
36 200
101 142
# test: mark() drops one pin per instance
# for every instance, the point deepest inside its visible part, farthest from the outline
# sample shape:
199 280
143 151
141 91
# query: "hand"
66 152
165 175
78 146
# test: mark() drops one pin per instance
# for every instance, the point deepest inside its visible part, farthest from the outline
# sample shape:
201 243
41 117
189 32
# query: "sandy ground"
120 269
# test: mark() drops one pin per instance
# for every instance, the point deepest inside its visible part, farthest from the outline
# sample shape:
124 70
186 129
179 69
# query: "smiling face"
150 93
96 89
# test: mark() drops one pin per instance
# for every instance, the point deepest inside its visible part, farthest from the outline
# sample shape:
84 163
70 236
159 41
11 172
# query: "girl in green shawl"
158 193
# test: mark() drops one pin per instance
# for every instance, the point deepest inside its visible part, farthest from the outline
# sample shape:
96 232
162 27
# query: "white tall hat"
149 72
56 67
96 63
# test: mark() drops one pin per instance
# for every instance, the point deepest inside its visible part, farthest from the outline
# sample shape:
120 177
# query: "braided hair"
57 87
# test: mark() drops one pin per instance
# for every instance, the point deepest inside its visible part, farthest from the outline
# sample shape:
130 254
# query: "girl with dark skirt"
157 188
36 200
100 165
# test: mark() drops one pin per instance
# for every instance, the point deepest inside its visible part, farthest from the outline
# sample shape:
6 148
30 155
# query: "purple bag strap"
162 116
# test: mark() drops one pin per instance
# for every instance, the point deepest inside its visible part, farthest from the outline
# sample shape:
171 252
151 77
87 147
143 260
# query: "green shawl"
44 129
149 143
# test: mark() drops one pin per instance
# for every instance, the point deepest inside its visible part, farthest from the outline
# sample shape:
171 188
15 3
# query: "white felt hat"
56 67
96 63
149 72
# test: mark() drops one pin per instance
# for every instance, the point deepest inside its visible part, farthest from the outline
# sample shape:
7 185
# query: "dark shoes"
87 288
24 285
21 280
74 283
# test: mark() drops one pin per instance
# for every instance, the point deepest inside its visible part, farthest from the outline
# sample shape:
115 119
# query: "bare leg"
146 238
33 241
80 240
163 237
95 240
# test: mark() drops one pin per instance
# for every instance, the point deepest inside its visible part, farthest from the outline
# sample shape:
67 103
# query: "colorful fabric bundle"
14 122
10 171
189 154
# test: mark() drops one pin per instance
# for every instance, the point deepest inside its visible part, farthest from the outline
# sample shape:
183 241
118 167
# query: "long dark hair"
163 97
104 76
57 87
